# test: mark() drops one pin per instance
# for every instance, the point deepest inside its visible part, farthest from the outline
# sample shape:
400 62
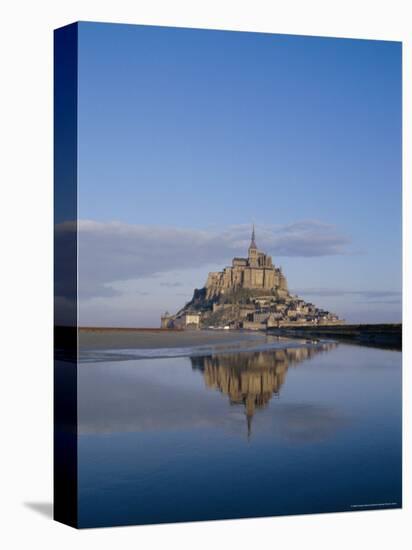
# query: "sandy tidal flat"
145 339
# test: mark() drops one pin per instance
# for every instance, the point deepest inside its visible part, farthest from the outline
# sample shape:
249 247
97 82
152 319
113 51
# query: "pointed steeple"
252 240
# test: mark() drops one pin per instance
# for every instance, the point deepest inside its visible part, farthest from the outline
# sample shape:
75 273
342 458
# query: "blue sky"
195 134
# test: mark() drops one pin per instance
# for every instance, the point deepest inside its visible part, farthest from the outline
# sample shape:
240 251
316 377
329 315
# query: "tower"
253 251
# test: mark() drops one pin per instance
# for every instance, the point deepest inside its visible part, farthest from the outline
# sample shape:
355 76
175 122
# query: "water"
294 428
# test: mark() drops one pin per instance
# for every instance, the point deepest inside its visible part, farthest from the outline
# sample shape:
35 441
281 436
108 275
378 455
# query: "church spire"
253 241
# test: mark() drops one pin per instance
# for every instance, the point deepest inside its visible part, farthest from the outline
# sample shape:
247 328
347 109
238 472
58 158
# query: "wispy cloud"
367 296
115 251
306 238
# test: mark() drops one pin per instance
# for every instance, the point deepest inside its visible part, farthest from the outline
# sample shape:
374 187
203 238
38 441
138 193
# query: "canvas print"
228 309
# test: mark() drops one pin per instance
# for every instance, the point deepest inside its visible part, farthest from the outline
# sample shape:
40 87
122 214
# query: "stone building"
186 320
255 272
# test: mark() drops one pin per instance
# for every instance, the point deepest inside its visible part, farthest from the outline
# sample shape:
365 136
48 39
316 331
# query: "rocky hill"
251 293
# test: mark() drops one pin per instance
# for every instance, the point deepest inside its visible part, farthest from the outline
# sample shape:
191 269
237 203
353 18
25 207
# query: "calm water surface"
290 428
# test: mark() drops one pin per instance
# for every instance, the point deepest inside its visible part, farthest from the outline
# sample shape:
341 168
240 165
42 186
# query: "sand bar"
149 339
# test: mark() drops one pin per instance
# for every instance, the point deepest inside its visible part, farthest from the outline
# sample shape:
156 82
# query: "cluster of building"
290 310
252 293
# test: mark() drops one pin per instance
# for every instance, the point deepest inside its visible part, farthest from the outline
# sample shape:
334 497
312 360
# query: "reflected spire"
249 425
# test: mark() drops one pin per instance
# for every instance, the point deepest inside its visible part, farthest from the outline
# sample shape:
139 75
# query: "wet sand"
95 339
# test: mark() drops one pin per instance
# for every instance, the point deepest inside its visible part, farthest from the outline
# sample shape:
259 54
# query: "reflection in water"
158 443
252 379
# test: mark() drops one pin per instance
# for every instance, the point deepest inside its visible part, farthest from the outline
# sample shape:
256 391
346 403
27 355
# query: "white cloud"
115 251
367 296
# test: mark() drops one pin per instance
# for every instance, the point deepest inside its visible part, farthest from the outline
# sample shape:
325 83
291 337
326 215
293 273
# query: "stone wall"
249 273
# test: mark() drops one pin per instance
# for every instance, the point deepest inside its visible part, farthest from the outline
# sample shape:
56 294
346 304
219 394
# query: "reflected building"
252 379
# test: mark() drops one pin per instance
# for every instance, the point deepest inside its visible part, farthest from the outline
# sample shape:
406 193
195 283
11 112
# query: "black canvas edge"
65 469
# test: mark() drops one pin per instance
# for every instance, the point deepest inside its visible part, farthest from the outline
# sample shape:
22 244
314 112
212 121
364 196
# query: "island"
252 294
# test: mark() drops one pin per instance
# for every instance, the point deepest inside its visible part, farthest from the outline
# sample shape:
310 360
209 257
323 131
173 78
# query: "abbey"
252 293
254 272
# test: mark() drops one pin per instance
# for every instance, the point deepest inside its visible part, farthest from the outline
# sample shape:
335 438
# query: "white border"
26 272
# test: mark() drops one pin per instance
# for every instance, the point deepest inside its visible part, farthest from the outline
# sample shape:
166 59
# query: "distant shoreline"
345 327
387 335
128 329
